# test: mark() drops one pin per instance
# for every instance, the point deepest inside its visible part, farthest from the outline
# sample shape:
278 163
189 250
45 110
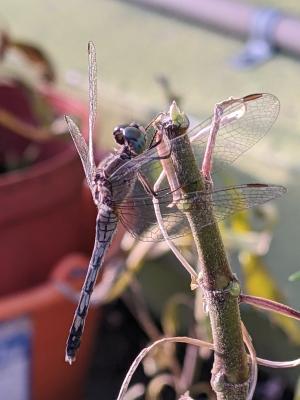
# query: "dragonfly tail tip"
69 359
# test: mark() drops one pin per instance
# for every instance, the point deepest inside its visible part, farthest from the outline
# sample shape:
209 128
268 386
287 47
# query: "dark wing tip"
253 96
279 188
257 185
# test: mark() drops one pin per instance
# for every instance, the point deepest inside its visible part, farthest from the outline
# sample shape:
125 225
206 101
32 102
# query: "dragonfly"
122 184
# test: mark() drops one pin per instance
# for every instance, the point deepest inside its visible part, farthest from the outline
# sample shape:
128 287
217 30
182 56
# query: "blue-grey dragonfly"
121 184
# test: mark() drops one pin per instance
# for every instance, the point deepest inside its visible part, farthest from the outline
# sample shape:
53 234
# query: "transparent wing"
243 124
86 151
138 217
147 163
92 97
82 150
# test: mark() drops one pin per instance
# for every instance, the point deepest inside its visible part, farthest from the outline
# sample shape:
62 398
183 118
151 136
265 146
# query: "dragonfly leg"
152 122
166 156
146 185
158 134
214 128
153 145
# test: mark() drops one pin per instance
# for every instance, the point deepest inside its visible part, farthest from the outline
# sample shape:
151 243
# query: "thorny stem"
230 374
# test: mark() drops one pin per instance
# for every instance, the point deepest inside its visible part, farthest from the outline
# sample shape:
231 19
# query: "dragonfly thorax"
133 136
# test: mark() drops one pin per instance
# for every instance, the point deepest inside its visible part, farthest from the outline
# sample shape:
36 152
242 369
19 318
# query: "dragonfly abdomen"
106 226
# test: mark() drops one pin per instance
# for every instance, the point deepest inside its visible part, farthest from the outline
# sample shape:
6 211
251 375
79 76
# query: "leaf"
294 277
258 281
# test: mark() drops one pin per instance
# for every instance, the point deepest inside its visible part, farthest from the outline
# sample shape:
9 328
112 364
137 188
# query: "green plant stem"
230 372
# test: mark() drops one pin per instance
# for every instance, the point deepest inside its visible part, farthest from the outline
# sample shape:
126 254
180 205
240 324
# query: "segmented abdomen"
106 225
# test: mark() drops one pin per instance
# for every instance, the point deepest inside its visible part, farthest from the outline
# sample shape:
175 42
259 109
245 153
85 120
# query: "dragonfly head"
132 135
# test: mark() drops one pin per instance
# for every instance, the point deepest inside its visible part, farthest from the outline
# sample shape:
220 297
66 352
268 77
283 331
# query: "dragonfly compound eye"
118 133
135 125
135 138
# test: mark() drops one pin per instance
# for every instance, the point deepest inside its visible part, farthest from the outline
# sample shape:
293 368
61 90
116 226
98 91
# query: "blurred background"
149 52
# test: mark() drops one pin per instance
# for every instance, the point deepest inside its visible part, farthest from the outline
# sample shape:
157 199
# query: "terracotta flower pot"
40 208
45 213
33 329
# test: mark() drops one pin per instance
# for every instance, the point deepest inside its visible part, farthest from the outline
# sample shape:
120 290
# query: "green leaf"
294 277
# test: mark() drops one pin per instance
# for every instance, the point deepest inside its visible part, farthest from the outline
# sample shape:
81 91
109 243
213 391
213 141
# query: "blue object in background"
15 360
